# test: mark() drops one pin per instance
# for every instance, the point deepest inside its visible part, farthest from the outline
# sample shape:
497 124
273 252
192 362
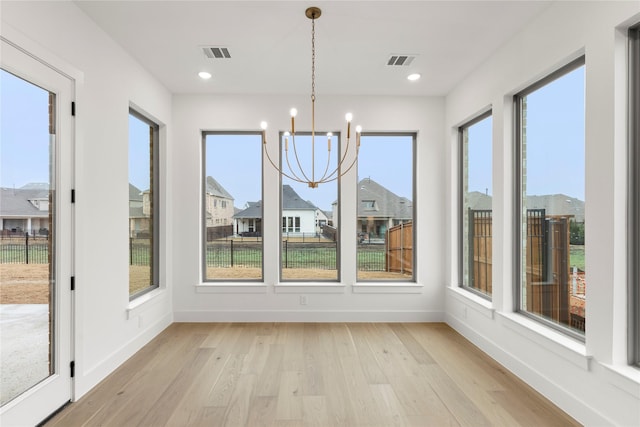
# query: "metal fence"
234 253
371 257
139 251
295 254
24 249
224 253
313 255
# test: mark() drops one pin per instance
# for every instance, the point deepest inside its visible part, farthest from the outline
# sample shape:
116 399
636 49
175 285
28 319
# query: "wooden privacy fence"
399 248
548 287
480 250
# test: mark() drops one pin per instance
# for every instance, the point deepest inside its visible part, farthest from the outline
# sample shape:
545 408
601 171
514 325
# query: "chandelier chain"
313 59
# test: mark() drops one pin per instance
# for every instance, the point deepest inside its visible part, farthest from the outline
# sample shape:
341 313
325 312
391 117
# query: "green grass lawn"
576 256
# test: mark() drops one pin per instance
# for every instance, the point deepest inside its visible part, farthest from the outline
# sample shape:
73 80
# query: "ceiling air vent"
400 60
216 52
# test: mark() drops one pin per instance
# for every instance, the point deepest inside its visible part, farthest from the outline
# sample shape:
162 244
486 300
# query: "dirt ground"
29 284
24 283
298 273
139 278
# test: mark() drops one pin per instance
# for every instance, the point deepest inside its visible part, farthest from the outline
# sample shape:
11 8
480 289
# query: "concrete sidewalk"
24 347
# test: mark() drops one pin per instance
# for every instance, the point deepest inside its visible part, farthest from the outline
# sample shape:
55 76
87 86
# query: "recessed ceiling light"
204 75
413 77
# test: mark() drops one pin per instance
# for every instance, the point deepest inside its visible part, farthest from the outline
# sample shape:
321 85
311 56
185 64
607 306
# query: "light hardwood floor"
292 374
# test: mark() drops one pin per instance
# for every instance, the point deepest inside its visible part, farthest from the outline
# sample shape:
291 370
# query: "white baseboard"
561 397
308 316
86 380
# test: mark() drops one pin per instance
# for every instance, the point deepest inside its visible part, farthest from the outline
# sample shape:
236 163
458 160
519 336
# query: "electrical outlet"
303 300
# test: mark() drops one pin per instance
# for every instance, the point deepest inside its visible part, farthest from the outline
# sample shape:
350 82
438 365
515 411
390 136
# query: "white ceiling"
270 42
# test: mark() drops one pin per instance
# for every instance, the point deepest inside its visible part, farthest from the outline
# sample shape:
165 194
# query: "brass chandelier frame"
301 176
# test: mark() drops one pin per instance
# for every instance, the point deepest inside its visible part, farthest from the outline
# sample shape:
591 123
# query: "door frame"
35 64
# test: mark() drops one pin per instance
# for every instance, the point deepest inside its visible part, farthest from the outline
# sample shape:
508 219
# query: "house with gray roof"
25 209
248 221
138 220
219 204
299 216
553 204
378 209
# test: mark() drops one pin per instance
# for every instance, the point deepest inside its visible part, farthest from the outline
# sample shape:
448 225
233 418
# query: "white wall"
307 220
275 301
107 332
590 381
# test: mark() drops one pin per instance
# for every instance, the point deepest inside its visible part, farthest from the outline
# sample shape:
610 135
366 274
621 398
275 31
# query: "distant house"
299 216
249 220
138 221
553 204
322 219
25 209
219 204
378 209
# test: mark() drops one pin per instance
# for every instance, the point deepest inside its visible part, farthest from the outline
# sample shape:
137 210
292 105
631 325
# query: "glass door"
35 238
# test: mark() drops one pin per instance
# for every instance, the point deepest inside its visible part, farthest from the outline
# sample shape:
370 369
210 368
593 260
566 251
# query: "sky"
555 132
24 132
479 167
387 160
555 160
555 154
139 156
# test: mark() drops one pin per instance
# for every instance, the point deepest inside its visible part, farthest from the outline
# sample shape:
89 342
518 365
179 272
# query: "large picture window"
476 192
634 197
385 209
143 204
232 206
550 200
309 215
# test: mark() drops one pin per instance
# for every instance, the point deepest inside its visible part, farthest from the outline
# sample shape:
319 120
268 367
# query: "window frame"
282 233
461 174
633 214
203 209
517 192
414 193
155 202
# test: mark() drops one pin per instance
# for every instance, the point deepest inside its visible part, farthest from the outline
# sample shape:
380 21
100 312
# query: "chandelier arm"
341 174
280 171
295 152
324 175
293 172
346 151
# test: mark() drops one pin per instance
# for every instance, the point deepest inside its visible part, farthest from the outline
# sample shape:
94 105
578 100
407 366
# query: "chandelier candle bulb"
293 112
329 135
286 141
263 126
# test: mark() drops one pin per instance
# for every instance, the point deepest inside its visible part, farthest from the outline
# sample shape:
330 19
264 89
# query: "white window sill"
229 288
387 288
473 301
309 288
624 377
143 302
554 341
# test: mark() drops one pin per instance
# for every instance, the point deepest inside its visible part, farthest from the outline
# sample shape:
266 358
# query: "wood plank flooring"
328 374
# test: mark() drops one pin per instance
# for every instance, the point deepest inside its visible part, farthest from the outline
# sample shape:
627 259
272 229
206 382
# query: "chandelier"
299 174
